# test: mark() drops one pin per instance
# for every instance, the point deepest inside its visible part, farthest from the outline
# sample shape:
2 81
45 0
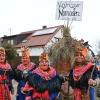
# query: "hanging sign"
69 10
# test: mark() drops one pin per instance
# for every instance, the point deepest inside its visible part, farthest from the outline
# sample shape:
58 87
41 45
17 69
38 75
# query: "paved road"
15 89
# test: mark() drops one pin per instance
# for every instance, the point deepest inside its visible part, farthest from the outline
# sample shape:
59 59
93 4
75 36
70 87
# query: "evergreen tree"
11 54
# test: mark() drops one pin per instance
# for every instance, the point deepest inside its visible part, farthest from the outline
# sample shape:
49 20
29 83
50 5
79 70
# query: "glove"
24 91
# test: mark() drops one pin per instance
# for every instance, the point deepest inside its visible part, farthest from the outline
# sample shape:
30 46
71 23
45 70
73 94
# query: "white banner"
69 10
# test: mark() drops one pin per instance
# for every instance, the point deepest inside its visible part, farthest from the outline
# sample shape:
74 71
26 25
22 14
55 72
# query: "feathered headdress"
25 52
84 51
43 56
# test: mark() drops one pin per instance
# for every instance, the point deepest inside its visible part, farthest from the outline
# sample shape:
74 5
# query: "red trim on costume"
5 66
79 71
47 75
44 95
22 67
77 94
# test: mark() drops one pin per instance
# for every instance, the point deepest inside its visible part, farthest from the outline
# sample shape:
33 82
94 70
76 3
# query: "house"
36 40
13 39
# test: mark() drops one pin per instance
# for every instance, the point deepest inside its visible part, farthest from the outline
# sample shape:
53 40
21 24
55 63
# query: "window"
24 41
11 42
44 31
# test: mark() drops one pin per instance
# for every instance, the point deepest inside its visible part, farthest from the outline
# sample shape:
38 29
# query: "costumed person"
97 80
5 76
44 82
80 74
91 55
98 66
22 69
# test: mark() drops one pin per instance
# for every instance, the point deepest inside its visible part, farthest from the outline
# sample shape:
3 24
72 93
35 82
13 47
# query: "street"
15 90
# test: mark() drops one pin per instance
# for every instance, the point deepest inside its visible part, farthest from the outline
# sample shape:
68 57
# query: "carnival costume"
25 67
5 77
44 84
80 75
98 79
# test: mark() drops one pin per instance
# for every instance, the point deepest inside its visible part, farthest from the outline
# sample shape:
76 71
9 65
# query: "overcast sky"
26 15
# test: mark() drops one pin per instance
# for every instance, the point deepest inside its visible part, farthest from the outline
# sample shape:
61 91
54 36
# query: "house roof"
39 37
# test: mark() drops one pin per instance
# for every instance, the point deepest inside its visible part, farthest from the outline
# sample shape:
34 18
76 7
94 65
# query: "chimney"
43 27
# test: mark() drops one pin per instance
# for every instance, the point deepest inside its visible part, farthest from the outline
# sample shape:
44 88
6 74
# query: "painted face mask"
43 59
25 55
